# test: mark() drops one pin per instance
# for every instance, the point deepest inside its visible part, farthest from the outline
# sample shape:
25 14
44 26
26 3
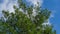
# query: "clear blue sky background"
54 6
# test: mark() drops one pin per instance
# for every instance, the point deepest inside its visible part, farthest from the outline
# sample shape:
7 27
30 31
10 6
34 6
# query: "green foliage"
21 23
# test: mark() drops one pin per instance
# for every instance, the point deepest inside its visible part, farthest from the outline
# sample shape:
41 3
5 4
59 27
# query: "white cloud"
7 5
34 2
3 5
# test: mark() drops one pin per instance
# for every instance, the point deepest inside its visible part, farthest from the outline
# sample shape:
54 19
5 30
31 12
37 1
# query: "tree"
24 22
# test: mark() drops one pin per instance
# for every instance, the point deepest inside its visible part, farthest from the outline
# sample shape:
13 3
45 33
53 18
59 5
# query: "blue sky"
53 5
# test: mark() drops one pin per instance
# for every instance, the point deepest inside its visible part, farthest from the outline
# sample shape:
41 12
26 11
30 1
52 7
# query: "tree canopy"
23 21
